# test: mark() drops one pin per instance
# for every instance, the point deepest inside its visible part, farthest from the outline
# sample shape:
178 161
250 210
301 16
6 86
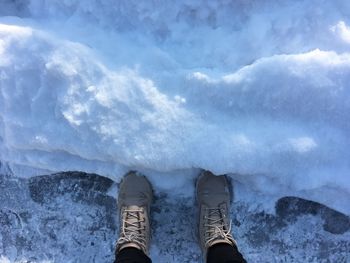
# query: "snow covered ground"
256 89
72 218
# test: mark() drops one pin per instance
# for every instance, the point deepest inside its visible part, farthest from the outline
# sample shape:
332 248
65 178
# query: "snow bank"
257 89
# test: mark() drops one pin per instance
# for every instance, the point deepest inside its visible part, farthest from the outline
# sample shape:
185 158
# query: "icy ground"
257 89
71 217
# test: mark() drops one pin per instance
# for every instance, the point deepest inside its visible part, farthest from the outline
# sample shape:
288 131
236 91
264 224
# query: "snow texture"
256 89
72 217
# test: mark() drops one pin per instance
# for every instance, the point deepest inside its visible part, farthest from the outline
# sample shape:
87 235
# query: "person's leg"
224 253
216 240
134 201
131 255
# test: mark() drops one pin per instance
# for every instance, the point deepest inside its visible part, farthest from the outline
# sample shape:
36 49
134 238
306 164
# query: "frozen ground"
71 217
257 89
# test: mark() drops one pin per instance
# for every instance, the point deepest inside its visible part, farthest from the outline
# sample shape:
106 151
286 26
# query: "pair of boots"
213 198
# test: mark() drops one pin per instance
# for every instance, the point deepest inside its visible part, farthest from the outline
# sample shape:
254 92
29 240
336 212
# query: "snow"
342 30
72 217
256 89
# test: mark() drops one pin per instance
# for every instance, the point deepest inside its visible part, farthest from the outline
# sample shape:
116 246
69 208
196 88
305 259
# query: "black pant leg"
224 253
131 255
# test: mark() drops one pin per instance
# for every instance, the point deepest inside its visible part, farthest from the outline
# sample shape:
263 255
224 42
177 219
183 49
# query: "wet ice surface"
72 217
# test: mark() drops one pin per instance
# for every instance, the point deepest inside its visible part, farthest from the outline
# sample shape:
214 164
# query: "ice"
72 217
255 89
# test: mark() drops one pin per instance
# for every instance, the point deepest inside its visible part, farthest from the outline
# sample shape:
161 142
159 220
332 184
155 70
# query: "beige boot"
213 197
134 200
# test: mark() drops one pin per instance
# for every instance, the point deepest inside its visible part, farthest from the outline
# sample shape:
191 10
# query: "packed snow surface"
256 89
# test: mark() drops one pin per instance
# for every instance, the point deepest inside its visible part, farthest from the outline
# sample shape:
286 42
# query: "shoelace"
133 231
216 227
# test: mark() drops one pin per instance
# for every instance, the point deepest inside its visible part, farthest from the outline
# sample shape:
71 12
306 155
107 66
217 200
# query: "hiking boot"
213 197
134 200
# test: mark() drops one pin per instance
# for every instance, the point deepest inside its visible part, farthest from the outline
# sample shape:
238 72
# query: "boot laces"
133 228
216 227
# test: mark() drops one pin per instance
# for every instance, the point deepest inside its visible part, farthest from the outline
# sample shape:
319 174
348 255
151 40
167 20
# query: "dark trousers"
219 253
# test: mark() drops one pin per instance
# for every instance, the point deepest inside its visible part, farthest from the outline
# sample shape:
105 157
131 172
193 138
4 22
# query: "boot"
134 200
213 197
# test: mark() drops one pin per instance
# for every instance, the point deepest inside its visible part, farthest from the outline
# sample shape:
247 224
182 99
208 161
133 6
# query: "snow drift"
251 88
